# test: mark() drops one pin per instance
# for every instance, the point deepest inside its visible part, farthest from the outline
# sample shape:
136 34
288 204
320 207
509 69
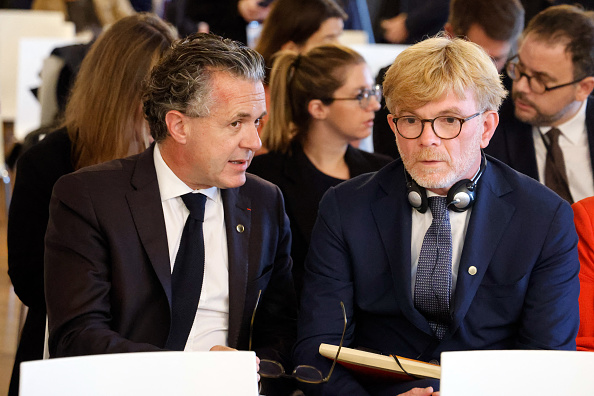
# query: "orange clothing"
584 222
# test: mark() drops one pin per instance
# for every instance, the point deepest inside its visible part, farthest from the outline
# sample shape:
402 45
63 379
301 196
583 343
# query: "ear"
176 126
584 88
392 125
290 45
317 109
490 122
449 30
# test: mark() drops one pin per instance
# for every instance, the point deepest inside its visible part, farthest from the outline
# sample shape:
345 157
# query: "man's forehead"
544 56
448 101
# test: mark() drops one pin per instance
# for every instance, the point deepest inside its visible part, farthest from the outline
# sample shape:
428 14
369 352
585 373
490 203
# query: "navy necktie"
188 273
434 273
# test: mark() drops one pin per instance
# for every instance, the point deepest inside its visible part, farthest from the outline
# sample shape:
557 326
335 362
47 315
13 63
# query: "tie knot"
195 204
439 207
553 135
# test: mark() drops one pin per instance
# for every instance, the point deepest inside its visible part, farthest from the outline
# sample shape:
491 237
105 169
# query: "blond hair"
431 68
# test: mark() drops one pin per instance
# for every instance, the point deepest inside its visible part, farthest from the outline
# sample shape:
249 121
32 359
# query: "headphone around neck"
460 197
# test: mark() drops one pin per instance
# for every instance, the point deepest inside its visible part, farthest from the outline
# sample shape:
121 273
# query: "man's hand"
251 11
395 29
420 392
222 348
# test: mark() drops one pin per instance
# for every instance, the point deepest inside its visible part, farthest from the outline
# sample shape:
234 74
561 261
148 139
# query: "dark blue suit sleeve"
327 282
551 314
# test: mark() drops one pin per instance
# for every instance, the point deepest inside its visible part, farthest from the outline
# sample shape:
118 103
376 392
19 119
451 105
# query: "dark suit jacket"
302 196
524 295
107 270
513 144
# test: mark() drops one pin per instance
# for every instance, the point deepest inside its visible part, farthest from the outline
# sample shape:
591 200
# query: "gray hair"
182 79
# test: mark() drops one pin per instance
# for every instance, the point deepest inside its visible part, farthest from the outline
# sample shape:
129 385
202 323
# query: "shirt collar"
171 186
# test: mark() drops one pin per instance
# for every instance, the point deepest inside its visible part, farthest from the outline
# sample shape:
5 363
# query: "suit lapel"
392 215
488 221
238 226
145 206
520 145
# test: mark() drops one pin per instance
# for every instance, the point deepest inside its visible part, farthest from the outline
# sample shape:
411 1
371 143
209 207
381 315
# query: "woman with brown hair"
322 101
299 25
103 121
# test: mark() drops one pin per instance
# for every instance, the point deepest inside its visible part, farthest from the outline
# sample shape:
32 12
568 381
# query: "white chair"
33 52
14 25
147 374
516 373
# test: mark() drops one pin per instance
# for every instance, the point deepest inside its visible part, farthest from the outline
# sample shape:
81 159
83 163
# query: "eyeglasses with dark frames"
444 127
513 68
303 373
364 97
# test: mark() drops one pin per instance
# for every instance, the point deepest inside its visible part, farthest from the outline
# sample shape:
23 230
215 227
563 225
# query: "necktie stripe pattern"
188 274
434 272
555 173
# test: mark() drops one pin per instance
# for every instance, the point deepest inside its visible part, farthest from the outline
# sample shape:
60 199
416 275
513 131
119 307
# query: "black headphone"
460 197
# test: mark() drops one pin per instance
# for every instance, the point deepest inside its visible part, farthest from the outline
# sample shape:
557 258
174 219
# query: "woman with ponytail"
321 101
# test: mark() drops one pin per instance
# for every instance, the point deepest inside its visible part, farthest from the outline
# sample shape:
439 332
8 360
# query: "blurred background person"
495 26
227 18
103 121
322 101
300 25
409 21
297 25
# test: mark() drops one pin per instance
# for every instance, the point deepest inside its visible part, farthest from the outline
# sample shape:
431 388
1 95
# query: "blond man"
445 249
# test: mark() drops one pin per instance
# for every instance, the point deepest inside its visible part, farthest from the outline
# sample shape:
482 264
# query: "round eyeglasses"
302 373
515 71
364 97
444 127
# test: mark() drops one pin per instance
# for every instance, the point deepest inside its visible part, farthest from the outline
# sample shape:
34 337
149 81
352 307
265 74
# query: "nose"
522 84
375 104
252 139
428 136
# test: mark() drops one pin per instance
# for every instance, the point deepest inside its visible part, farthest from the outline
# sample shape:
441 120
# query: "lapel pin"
240 228
472 270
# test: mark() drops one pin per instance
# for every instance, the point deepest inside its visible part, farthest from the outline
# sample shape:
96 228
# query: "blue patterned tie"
434 273
188 273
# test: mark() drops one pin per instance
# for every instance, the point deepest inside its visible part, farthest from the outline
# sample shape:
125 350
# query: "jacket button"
472 270
240 228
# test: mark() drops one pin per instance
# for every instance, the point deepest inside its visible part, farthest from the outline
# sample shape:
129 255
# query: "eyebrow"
448 111
535 73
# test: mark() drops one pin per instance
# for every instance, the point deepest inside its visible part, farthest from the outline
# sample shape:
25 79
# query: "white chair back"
14 25
147 374
516 373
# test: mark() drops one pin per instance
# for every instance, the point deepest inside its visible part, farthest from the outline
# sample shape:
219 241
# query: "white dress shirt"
573 141
211 323
420 225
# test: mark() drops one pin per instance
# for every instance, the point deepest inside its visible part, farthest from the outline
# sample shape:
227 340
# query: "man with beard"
446 249
547 132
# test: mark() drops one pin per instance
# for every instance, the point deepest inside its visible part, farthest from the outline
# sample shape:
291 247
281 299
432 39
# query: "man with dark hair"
494 25
170 249
547 129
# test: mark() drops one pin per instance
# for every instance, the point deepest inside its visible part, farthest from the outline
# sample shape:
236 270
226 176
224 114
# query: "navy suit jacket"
524 295
513 141
107 269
